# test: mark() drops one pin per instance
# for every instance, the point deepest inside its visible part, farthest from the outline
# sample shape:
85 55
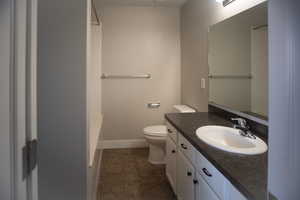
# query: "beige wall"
94 89
196 17
139 40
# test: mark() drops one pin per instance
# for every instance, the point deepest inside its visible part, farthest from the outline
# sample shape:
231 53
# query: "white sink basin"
230 139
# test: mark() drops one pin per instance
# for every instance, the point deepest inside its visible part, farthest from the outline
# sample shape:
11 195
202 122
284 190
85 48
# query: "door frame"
23 33
284 98
31 89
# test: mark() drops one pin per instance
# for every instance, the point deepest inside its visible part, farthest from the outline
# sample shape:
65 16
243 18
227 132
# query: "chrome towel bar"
145 76
230 77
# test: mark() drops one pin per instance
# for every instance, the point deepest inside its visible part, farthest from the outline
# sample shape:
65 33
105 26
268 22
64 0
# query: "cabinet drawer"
171 132
203 191
212 176
186 148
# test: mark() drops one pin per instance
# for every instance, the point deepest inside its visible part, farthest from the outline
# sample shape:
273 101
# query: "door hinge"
29 158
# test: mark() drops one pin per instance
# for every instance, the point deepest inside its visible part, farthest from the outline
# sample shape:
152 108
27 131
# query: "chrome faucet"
243 128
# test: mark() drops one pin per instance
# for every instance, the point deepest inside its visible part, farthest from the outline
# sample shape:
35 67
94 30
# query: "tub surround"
247 173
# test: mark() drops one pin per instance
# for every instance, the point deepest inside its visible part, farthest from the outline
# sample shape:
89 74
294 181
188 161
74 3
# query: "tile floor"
127 175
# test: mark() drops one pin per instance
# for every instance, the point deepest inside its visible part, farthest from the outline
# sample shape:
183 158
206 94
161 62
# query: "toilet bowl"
156 137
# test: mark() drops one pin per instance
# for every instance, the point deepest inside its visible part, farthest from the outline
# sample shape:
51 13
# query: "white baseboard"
121 144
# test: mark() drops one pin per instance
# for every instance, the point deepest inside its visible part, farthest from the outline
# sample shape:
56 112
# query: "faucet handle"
241 122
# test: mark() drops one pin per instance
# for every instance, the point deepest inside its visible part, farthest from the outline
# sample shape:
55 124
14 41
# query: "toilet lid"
160 130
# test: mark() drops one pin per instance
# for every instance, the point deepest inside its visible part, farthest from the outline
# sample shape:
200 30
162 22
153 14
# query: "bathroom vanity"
198 171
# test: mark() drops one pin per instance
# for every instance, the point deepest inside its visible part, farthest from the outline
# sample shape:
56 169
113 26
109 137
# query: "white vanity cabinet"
232 193
211 175
203 191
171 156
221 187
186 177
186 148
172 132
191 175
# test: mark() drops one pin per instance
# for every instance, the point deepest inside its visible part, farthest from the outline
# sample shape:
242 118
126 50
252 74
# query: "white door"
6 111
185 178
17 89
203 191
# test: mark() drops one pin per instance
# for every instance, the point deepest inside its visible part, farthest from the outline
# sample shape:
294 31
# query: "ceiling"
168 3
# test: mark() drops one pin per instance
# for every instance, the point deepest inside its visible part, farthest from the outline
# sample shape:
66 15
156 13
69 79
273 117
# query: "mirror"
238 62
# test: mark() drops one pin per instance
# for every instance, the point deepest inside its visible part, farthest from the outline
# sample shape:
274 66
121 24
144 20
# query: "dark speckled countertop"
248 173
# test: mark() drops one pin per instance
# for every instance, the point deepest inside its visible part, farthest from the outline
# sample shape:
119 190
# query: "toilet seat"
157 131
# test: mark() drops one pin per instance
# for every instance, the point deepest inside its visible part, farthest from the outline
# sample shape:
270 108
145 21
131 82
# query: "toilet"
156 137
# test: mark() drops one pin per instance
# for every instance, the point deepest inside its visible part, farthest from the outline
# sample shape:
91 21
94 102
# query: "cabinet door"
171 152
211 175
203 191
186 148
233 193
172 132
185 178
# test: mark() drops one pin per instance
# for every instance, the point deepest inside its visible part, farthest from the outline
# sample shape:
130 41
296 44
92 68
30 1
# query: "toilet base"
156 154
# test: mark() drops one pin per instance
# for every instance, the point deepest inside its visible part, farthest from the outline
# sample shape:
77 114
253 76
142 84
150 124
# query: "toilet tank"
183 109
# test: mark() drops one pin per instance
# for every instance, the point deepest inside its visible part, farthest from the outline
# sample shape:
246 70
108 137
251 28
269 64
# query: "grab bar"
106 76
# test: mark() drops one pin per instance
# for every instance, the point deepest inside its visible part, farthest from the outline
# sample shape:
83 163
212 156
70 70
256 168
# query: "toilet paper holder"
153 105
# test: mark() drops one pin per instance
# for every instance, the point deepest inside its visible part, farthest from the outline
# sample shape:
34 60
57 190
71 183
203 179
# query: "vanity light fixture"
225 2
